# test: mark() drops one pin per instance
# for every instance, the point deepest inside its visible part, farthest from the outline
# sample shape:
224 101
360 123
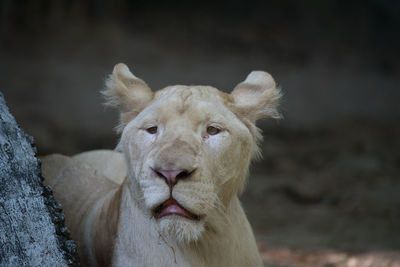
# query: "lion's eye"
212 130
152 130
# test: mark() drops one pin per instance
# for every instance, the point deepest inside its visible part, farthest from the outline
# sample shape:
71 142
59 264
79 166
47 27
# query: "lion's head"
188 148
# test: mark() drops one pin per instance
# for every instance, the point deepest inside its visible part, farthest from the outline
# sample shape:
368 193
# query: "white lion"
169 196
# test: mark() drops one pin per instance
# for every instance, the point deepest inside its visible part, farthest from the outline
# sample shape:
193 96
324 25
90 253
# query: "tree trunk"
32 231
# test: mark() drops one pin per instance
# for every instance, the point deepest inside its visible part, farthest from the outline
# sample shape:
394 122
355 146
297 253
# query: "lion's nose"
171 177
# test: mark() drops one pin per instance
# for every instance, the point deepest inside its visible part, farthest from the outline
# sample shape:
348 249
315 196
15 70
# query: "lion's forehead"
187 94
198 103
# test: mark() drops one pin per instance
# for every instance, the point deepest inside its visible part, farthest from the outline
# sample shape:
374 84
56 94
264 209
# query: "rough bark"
32 231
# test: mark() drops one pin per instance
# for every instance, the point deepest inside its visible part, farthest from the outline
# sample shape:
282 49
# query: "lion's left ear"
126 92
256 97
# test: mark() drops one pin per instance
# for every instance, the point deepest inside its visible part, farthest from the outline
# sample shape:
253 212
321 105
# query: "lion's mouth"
172 207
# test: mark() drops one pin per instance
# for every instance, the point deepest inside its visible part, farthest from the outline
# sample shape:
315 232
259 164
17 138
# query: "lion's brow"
185 94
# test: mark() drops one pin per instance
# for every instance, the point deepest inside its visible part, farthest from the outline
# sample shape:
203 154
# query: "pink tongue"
172 207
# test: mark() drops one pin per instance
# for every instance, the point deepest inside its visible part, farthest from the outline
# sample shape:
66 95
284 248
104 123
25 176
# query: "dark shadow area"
329 180
328 194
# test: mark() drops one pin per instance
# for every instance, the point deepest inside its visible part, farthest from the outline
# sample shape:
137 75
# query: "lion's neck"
106 231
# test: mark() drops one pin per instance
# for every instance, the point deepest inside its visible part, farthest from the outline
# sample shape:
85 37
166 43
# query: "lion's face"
188 149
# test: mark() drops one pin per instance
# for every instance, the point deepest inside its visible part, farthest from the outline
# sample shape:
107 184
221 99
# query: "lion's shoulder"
109 163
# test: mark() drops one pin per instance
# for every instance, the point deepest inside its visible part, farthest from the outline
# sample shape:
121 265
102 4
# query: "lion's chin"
181 229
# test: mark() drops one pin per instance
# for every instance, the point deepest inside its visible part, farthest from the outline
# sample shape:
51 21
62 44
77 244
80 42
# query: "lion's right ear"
127 93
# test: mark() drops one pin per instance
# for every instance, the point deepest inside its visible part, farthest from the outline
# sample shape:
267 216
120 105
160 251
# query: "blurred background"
327 192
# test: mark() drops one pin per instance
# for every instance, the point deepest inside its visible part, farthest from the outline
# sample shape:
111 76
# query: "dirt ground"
328 196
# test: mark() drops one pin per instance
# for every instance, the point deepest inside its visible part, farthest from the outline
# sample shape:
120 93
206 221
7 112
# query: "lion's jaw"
216 165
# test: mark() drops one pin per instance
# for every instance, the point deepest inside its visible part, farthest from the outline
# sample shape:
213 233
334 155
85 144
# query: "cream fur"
109 197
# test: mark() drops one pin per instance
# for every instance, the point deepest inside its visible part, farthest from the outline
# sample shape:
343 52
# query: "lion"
168 195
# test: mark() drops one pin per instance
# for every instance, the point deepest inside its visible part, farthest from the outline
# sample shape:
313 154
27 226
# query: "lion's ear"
127 93
256 97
